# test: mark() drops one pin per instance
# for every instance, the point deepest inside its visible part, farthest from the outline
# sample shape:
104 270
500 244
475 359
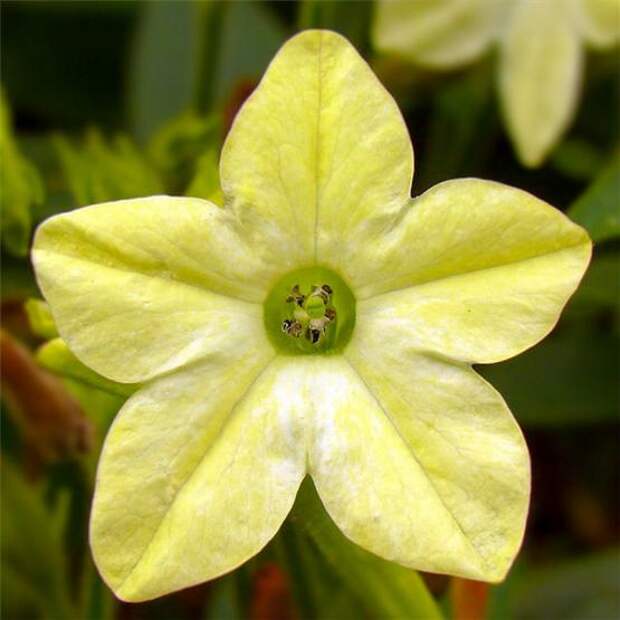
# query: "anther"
292 328
286 325
324 291
296 296
313 335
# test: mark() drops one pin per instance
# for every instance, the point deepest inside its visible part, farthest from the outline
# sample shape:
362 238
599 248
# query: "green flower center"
309 311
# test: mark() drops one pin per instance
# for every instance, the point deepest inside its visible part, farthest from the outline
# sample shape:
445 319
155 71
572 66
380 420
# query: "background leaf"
463 128
351 18
165 63
34 570
176 148
20 188
56 356
586 588
386 589
40 318
598 208
569 379
249 38
98 172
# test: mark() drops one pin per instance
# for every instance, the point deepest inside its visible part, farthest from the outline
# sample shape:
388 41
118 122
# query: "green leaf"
576 159
386 589
40 318
165 64
317 589
189 56
100 407
32 550
586 588
99 602
176 148
17 278
100 172
20 188
56 356
225 601
206 183
19 597
463 128
598 208
569 379
41 149
600 289
350 18
250 36
205 49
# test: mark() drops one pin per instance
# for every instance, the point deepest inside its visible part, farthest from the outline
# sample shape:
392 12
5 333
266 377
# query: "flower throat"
310 311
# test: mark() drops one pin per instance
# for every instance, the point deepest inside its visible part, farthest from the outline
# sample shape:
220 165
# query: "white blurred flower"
540 53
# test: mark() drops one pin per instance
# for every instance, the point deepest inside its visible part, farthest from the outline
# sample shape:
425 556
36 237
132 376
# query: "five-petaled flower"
414 456
541 53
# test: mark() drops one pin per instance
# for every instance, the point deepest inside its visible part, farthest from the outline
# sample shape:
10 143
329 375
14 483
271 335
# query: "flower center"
309 311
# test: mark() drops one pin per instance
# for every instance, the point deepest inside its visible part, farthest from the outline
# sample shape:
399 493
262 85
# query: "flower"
414 456
540 59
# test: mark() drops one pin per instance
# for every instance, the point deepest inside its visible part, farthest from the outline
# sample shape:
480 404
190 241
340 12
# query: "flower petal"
140 287
478 272
320 147
197 474
437 33
600 22
539 76
420 462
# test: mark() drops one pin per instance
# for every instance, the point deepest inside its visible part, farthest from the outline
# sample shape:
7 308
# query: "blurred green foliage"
56 356
97 172
20 189
35 578
113 100
384 589
597 208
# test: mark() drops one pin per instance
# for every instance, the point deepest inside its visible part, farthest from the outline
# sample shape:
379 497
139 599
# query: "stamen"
311 315
296 296
304 315
313 335
324 291
292 328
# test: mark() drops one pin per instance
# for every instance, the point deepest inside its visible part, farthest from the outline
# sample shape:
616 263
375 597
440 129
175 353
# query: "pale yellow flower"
540 53
414 456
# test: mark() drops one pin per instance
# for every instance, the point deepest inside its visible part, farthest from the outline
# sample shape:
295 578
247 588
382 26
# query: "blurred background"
110 100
